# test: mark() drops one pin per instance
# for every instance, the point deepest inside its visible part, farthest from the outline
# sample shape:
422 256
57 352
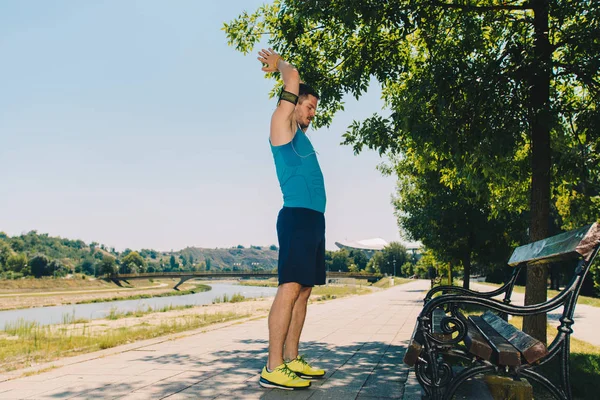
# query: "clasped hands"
270 58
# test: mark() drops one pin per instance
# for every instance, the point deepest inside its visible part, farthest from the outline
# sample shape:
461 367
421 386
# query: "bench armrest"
494 304
459 290
506 288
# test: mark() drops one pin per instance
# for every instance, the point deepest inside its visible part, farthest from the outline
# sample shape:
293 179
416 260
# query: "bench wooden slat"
531 348
415 346
576 243
475 342
504 352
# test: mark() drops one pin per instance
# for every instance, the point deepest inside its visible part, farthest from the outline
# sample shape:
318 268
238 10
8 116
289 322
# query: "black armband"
287 96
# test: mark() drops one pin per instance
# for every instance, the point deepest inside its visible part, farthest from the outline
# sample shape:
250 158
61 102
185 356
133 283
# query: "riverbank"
24 344
56 292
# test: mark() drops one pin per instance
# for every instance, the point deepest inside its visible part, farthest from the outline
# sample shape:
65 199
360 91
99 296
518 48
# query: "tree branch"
585 78
479 9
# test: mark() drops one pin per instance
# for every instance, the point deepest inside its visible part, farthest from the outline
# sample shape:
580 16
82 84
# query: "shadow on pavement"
360 370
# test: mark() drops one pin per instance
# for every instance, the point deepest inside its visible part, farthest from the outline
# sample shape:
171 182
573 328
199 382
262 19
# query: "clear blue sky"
133 124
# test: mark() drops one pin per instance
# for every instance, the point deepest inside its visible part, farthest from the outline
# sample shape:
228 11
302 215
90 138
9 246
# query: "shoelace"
287 371
302 360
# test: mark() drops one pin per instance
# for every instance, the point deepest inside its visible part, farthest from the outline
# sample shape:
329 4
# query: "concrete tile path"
360 341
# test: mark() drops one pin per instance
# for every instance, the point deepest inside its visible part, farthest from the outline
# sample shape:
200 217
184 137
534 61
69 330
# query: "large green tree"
482 91
173 263
5 252
133 263
454 222
108 266
87 266
359 258
394 256
39 266
340 261
17 262
375 263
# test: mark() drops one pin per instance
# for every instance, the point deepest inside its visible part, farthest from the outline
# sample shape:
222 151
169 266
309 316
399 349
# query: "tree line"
40 255
393 259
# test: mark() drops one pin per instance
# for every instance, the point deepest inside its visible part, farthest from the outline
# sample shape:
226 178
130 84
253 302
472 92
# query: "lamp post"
394 264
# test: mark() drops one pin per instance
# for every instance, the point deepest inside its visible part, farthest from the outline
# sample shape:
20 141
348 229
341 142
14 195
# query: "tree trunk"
536 289
466 262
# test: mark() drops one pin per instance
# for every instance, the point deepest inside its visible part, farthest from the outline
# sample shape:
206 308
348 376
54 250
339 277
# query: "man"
300 227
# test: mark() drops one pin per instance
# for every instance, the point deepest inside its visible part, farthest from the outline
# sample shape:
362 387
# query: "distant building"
370 246
413 248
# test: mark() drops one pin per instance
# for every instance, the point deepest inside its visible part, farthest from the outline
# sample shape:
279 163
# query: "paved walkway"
360 341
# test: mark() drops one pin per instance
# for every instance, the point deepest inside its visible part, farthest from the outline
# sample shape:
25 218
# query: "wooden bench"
490 344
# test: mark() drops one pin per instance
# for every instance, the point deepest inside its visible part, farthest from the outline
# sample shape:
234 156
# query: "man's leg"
298 364
280 318
292 340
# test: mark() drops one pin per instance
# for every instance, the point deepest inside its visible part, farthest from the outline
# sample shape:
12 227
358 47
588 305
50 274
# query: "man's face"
305 111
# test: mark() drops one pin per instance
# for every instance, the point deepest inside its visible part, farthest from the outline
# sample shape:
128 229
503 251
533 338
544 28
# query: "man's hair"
304 91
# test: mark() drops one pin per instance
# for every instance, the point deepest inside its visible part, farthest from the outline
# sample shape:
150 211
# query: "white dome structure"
370 246
366 244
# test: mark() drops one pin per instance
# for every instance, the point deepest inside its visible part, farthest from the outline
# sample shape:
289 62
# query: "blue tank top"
299 174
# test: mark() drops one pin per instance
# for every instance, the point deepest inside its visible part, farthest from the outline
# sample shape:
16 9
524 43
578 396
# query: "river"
58 314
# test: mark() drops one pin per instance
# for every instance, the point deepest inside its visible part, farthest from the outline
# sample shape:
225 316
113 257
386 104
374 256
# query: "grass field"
327 292
197 289
50 284
590 301
320 293
46 286
387 282
259 282
585 367
26 343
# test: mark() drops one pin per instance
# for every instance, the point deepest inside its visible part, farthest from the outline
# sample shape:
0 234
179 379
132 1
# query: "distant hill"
256 257
40 254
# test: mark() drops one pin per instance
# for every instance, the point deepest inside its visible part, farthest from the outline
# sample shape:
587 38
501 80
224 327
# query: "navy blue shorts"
301 234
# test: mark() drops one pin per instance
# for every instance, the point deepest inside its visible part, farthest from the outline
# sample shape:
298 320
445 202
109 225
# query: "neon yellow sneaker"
304 370
282 378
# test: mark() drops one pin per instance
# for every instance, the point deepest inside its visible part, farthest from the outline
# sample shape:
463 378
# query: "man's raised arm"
283 120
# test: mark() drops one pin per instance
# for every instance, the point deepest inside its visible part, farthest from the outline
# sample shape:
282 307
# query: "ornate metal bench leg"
565 330
432 373
565 369
544 382
463 375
